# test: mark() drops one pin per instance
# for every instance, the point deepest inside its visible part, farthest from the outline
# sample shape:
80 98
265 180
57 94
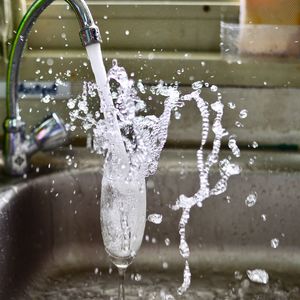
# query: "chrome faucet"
18 147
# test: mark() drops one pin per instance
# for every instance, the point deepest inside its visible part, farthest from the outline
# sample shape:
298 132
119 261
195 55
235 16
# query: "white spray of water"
144 138
107 106
204 164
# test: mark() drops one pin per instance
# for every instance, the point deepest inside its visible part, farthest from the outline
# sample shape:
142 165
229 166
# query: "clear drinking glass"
123 218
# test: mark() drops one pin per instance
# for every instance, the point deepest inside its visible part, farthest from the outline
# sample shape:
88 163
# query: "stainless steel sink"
51 246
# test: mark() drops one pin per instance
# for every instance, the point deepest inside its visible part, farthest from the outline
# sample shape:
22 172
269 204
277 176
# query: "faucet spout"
89 34
14 128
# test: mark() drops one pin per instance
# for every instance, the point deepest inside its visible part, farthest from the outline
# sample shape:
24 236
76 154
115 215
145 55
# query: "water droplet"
251 199
165 265
243 114
177 115
114 62
46 99
138 277
197 85
167 242
50 62
233 146
258 276
239 124
68 73
274 243
184 249
251 161
231 105
213 88
71 103
155 218
238 275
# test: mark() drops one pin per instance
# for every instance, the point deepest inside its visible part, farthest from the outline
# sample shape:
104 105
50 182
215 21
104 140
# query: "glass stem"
121 283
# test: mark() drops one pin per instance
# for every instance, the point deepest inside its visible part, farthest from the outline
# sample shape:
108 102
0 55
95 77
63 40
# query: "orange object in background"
276 12
270 27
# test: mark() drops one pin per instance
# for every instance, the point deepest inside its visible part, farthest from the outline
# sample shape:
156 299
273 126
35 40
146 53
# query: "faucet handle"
50 134
18 147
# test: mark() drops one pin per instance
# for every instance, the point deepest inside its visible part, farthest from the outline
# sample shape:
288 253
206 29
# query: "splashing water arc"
142 138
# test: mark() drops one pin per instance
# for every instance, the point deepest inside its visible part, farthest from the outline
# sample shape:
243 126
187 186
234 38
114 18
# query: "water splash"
116 147
204 164
144 137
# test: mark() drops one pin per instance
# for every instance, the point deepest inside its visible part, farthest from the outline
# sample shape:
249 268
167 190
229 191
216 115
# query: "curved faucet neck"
89 34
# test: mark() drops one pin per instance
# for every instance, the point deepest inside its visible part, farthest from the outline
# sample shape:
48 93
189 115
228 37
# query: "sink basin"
51 247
